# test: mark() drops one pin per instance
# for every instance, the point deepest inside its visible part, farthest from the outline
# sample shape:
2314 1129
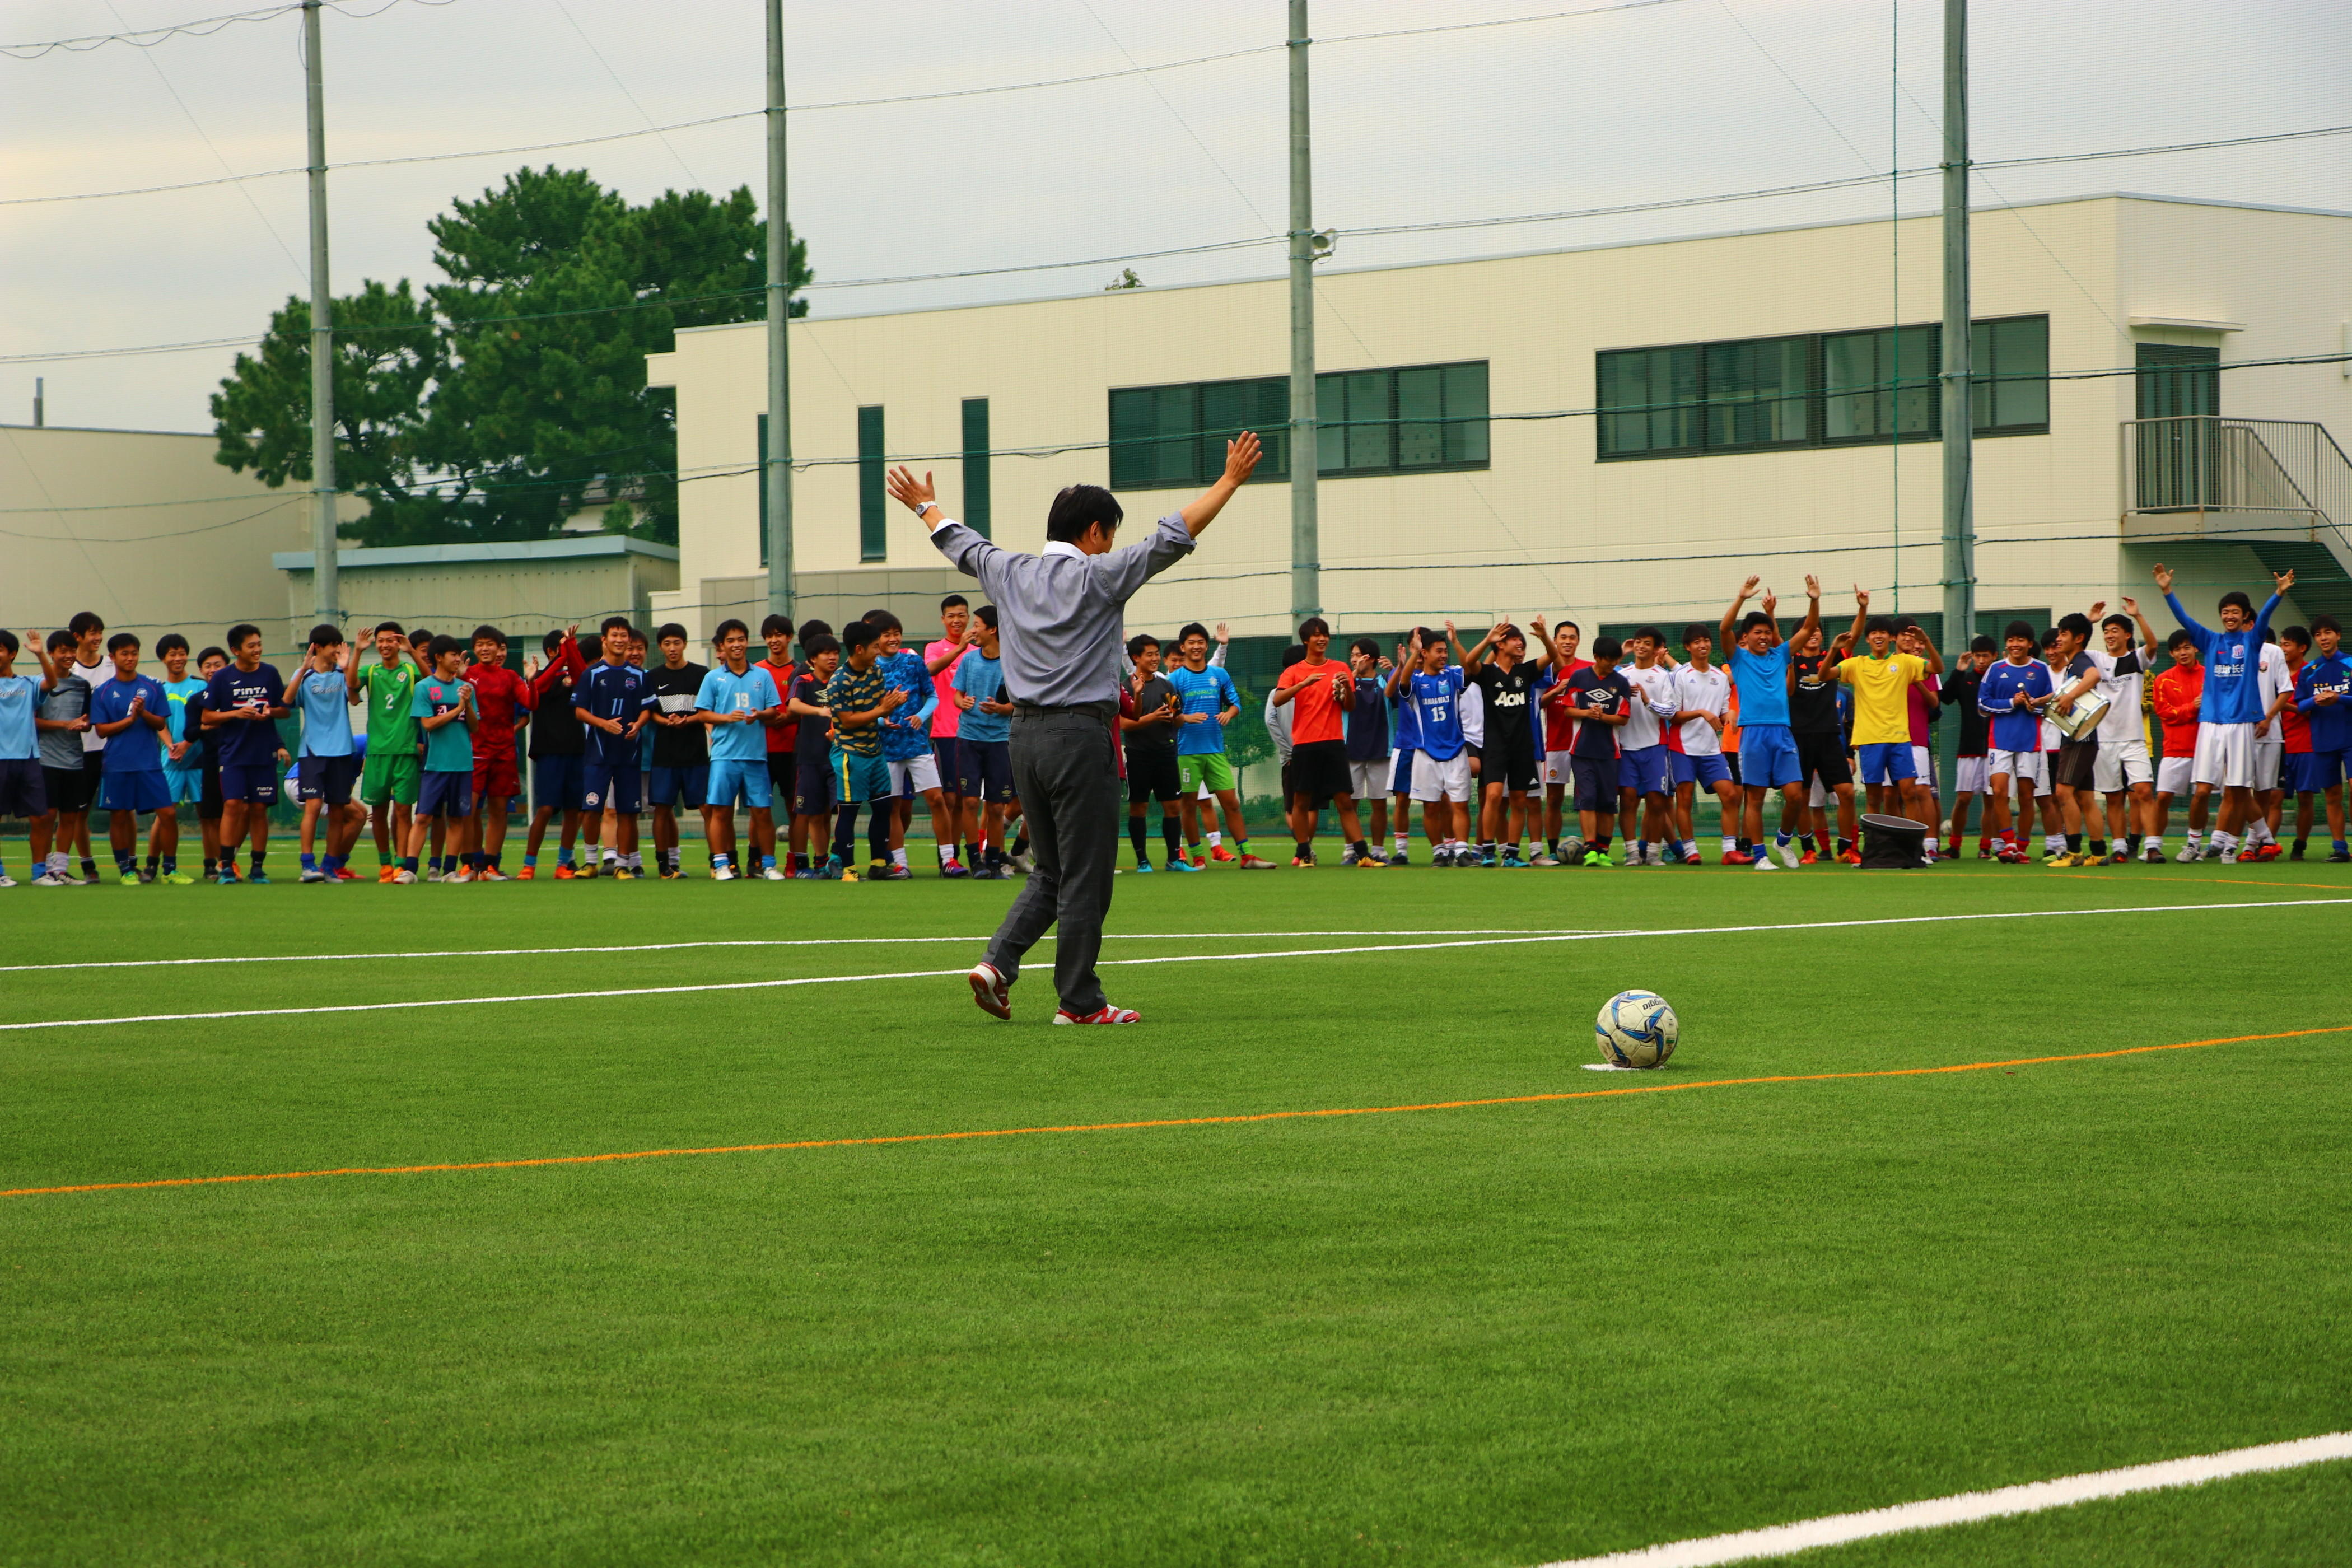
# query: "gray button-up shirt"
1061 621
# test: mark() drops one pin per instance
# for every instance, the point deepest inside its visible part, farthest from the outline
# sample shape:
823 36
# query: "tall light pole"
1958 432
1305 547
325 591
778 522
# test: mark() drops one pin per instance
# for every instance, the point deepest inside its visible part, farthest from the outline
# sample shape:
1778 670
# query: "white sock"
1214 837
637 861
897 857
2194 835
2155 839
947 853
1731 842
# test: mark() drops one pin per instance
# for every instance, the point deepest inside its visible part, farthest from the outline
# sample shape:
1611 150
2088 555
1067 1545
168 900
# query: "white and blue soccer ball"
1637 1030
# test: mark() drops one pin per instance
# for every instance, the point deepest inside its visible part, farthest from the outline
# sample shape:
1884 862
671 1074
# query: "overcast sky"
1677 97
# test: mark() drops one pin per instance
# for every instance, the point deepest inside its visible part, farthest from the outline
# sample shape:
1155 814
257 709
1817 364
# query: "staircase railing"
2207 462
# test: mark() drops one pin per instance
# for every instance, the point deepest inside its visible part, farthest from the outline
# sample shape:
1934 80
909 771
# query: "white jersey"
2119 682
1474 713
1704 690
97 675
2274 679
1653 701
2050 735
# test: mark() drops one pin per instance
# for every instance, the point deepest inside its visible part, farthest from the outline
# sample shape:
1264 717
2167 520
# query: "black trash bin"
1893 843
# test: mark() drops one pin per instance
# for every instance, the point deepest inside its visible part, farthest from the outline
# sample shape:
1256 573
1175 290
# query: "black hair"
1980 644
1878 624
775 626
169 641
391 627
617 624
2293 634
1366 646
1571 626
1510 631
2234 597
491 633
2326 623
1138 642
2050 637
1191 628
2123 621
85 623
1608 647
9 643
822 643
420 638
951 601
1751 620
551 642
2075 624
443 644
241 630
1078 508
1430 638
718 636
1313 627
856 635
61 639
2018 629
2179 639
215 652
883 621
672 629
1654 633
1292 655
1697 631
120 640
326 635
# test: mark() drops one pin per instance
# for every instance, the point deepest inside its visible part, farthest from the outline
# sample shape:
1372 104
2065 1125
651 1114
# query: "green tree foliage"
516 391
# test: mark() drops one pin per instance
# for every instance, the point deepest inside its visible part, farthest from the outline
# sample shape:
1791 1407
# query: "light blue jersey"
19 694
724 691
1210 691
1437 713
983 678
323 697
1762 680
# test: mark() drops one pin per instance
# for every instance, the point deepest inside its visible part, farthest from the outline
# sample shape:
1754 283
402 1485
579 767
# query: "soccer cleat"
773 874
831 871
1104 1015
1200 862
990 990
257 878
528 874
1764 863
404 877
1257 863
1485 859
1543 858
1598 859
1024 862
127 879
2189 854
1737 857
1850 857
2119 855
1181 864
1788 854
1142 867
2339 856
465 876
178 879
1984 850
892 873
1808 858
2296 853
1399 858
2153 854
2269 850
49 879
312 874
345 874
386 873
7 881
1370 863
433 874
583 873
668 875
1509 860
952 868
147 873
624 874
1220 853
2228 856
722 874
2062 860
849 874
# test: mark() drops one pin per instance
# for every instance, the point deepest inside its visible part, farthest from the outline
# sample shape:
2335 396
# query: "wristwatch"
922 507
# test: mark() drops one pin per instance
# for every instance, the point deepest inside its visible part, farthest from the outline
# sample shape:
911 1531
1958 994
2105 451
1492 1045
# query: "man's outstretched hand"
1242 454
907 490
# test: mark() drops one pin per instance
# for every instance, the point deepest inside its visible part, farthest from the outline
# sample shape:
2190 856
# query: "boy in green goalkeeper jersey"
389 779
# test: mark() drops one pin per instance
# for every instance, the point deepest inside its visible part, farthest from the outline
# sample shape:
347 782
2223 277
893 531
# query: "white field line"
1781 1540
749 941
1158 958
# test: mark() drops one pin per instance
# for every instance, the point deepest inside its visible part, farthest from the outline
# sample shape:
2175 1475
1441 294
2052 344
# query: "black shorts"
987 772
947 751
1821 755
329 779
1510 760
2076 761
783 772
1319 770
209 804
1151 774
811 787
71 789
23 792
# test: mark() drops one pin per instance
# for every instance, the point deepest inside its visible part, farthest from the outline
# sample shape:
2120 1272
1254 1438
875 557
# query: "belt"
1102 709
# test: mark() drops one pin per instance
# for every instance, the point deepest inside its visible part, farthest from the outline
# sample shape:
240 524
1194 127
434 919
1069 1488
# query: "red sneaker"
2267 852
1255 863
1103 1016
1737 857
1198 862
1852 857
1223 855
564 873
993 993
386 873
529 873
1808 858
345 874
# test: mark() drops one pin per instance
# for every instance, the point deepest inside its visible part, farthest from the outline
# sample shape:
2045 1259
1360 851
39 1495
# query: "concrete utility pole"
779 521
1305 546
325 591
1958 433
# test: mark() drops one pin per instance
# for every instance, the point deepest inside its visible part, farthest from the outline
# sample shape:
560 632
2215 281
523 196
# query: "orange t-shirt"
1314 713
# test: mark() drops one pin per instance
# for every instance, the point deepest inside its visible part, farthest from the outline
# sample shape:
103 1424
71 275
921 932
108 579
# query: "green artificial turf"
1494 1335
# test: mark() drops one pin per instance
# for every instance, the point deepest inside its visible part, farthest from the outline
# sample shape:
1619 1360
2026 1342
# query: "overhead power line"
202 27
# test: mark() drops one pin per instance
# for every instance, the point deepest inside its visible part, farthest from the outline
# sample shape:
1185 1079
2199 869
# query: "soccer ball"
1637 1030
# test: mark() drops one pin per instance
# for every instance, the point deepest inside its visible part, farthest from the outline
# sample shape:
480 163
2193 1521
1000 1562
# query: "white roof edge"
1547 250
574 548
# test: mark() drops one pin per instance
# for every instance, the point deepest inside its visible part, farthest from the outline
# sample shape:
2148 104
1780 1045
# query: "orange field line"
1166 1121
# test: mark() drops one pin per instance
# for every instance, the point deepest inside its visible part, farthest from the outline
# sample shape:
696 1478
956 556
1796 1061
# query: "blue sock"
767 862
528 859
171 865
563 856
1781 837
309 862
408 863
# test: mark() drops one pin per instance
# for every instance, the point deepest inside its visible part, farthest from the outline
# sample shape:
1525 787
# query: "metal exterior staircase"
2281 488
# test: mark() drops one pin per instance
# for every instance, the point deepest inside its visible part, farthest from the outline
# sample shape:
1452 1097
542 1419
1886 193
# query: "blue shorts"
23 789
611 787
1710 770
330 779
1768 757
1886 762
245 782
2309 773
449 794
693 784
989 772
1401 776
947 751
858 778
1596 782
184 784
140 790
1646 769
556 781
733 782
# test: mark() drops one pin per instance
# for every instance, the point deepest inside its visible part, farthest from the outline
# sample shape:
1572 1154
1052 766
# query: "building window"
1417 420
2176 379
975 466
873 521
1817 389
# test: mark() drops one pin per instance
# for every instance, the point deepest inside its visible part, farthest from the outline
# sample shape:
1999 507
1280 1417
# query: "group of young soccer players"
1516 740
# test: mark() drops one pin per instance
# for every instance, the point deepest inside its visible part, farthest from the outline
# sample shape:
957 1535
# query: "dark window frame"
873 504
1698 413
1144 461
979 509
